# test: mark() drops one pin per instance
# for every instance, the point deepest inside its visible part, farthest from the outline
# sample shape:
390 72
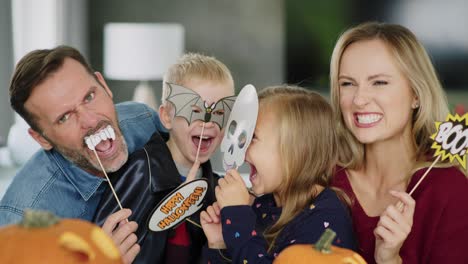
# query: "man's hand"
122 233
231 190
211 223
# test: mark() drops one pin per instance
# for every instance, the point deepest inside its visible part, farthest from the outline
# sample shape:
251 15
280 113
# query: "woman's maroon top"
440 225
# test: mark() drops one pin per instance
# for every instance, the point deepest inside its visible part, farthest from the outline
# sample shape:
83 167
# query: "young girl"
292 156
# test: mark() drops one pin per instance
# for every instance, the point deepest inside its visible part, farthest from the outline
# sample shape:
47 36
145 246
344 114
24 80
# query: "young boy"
193 90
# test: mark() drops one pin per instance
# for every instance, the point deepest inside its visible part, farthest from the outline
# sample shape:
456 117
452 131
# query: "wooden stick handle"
108 181
425 174
400 203
199 143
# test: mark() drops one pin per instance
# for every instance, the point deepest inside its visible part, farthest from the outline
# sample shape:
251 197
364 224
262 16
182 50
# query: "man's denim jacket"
50 182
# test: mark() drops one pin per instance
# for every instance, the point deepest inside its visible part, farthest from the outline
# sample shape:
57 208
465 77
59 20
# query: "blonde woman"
387 97
291 160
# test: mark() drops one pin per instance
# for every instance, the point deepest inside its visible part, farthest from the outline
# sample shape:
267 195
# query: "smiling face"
263 155
184 138
376 100
70 105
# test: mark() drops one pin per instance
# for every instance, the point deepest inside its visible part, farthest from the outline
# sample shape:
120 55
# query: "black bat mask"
189 105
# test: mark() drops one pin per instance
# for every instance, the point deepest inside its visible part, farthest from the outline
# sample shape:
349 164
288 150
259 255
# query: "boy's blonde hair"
308 147
414 63
196 66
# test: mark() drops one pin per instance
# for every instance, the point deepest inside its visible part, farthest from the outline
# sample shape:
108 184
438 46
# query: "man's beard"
81 160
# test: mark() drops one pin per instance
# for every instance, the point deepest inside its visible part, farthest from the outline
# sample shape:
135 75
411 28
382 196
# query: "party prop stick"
169 197
199 143
193 222
240 130
92 141
450 141
400 203
178 206
108 181
183 99
424 176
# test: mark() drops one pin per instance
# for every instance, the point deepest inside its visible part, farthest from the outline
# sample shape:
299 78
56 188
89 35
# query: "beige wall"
248 36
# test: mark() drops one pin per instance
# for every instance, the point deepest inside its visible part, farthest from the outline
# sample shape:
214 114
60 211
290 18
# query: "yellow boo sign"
451 139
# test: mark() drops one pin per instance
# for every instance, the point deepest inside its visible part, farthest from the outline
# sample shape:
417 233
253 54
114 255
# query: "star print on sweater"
244 238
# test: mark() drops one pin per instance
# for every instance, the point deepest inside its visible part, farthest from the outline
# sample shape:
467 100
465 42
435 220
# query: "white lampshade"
141 51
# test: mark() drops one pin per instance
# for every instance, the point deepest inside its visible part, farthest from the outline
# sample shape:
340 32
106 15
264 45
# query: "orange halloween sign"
178 205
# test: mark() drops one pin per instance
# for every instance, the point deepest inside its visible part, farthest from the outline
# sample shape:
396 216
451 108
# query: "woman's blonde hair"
307 145
414 63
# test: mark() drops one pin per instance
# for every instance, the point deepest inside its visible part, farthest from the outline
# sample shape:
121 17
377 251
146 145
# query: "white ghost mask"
240 128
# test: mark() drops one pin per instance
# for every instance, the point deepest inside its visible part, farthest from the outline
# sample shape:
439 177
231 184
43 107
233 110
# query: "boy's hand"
193 171
123 234
211 223
393 228
231 190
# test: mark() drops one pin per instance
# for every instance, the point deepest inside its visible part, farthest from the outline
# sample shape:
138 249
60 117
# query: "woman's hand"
393 228
231 190
211 224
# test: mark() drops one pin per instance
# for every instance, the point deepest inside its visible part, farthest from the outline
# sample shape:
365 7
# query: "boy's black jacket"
137 191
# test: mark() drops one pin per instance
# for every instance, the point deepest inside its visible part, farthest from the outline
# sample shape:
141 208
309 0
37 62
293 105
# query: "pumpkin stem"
324 243
37 219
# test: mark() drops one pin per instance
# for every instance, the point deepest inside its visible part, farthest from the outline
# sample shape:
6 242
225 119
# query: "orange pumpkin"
322 252
42 238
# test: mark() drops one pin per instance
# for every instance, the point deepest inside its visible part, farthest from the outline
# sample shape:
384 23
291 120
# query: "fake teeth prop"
104 134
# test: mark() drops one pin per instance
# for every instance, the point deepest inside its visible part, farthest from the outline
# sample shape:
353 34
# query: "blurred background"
263 42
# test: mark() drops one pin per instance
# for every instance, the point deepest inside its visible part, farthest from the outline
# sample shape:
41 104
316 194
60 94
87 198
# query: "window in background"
41 25
314 26
6 68
441 27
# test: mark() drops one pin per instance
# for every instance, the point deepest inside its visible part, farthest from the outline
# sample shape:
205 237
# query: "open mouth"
204 142
253 173
367 119
102 141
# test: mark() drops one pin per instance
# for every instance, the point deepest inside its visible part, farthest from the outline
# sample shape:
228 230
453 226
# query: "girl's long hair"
307 145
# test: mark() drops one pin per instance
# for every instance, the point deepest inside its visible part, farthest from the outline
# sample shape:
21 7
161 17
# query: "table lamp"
142 52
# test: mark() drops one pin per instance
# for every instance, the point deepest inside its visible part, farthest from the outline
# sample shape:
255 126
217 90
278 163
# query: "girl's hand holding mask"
231 190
